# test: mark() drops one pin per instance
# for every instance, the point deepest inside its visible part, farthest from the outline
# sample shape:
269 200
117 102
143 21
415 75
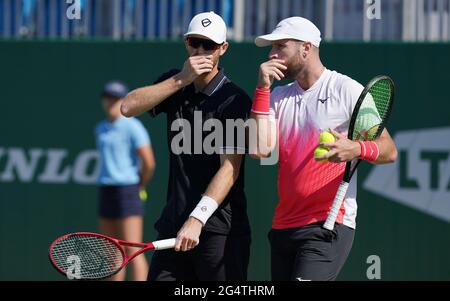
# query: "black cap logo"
206 22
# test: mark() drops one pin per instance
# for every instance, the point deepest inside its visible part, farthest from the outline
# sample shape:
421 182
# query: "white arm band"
205 208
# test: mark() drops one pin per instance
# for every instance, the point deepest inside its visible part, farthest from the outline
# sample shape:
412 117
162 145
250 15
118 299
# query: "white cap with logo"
210 26
296 28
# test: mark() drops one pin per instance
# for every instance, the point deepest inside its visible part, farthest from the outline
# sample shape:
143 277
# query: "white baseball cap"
208 25
296 28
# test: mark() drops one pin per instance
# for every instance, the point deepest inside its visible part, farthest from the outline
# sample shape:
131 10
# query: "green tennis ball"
143 195
319 152
326 137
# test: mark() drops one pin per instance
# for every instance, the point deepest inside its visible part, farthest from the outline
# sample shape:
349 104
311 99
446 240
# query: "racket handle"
164 244
337 204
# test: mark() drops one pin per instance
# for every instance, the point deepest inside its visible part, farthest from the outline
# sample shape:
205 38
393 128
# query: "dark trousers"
310 252
218 257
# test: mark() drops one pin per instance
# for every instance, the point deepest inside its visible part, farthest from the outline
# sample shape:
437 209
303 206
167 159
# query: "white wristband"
205 208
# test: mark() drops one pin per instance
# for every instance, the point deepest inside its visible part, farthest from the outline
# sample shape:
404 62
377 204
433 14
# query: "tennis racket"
368 121
92 256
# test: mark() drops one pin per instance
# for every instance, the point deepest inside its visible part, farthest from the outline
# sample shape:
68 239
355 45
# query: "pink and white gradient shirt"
307 188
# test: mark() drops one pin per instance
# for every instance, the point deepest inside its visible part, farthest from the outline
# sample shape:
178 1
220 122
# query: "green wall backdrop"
49 103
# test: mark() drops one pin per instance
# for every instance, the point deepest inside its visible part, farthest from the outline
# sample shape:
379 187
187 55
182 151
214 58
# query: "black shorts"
218 257
309 252
117 202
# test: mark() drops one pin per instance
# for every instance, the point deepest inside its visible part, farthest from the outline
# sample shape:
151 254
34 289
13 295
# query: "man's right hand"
269 71
194 67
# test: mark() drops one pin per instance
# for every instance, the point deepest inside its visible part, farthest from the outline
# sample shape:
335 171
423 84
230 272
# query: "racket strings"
97 257
373 111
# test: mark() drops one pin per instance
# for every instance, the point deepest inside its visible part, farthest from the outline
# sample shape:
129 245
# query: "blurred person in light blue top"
126 166
117 142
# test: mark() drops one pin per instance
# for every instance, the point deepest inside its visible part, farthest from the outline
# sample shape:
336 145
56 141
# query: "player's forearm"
263 142
386 148
222 182
145 99
218 189
388 151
